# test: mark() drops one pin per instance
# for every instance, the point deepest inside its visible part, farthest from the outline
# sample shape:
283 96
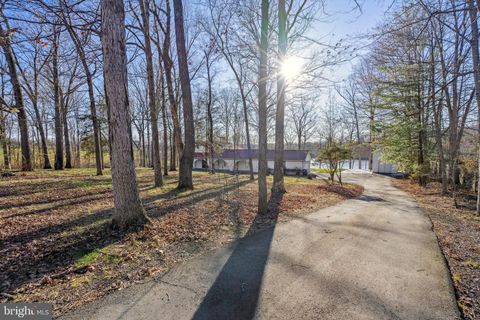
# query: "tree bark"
167 65
157 165
209 113
165 125
43 139
3 140
57 104
66 136
3 129
247 133
162 100
437 114
262 113
128 207
186 159
278 170
19 105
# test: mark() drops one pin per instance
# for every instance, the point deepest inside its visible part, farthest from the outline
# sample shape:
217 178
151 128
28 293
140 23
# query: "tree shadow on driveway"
236 290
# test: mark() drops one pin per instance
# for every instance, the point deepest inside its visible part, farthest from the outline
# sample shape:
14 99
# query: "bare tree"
128 207
57 103
221 33
349 93
157 165
31 87
186 160
278 170
17 93
79 46
262 112
303 117
178 145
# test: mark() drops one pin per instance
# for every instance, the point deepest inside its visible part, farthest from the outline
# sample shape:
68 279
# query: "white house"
296 162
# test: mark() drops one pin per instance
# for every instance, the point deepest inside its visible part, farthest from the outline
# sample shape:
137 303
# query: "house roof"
243 154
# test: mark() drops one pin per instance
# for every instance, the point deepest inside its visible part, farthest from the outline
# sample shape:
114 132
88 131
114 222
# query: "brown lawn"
57 246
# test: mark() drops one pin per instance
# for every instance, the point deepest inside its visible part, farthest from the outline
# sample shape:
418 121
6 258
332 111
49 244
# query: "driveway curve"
374 257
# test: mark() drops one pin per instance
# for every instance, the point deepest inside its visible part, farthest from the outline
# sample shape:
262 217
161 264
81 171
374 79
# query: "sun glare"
291 68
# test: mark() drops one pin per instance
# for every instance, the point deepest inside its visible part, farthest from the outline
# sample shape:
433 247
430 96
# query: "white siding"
242 165
197 164
380 167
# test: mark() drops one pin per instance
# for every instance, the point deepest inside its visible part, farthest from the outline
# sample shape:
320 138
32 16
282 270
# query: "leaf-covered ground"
57 246
458 233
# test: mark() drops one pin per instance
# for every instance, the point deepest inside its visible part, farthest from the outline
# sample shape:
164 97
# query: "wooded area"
124 87
412 97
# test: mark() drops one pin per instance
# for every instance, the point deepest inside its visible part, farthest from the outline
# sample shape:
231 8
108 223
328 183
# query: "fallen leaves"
57 246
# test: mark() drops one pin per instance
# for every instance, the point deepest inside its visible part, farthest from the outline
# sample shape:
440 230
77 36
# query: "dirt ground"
458 233
57 246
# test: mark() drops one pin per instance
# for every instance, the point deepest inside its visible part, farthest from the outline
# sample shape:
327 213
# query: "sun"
291 68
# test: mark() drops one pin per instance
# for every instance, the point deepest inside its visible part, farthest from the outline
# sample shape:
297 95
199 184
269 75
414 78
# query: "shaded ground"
56 244
368 258
458 233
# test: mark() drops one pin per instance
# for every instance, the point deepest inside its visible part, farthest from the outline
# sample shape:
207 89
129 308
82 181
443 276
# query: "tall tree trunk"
278 170
173 154
57 104
93 115
143 159
164 122
157 165
476 74
66 136
3 140
437 114
163 104
38 118
162 97
186 159
168 64
43 139
247 133
78 162
422 179
3 129
209 114
357 131
262 113
128 207
19 105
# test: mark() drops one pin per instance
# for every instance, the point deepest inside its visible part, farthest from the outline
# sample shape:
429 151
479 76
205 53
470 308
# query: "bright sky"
343 22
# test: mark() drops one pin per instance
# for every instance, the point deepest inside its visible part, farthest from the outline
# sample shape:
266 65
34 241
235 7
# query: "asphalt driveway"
374 257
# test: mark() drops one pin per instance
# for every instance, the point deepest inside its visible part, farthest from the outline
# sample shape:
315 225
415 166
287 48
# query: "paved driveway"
374 257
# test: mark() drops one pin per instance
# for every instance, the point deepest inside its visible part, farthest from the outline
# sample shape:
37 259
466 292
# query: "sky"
341 22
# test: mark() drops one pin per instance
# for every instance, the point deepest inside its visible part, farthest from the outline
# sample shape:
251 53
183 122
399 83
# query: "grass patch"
81 280
96 223
86 258
323 170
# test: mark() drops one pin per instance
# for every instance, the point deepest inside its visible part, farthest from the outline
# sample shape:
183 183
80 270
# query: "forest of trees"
120 84
414 96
